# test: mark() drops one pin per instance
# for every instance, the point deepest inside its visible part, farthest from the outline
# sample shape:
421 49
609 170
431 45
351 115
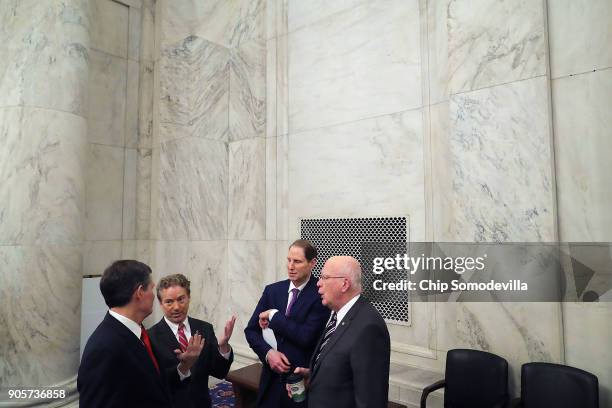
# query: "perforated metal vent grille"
364 239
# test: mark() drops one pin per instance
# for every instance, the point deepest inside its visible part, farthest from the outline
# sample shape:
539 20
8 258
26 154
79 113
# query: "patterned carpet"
222 395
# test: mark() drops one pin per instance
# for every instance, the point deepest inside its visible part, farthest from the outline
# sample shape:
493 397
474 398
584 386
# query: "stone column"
43 100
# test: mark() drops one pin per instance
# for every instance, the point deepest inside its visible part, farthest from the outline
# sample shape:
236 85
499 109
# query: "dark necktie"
294 295
329 330
144 336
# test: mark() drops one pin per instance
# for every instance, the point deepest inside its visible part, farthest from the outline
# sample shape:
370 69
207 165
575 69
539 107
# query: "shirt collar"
344 309
174 326
300 288
127 322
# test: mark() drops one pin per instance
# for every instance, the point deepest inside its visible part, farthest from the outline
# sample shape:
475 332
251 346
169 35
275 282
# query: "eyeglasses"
326 277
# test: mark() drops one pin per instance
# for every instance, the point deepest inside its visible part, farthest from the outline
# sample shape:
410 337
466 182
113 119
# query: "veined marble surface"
580 34
205 265
145 110
501 164
132 105
493 42
441 178
247 189
42 176
107 13
194 90
104 209
42 70
40 302
372 167
191 186
98 255
252 265
301 13
583 147
437 49
107 102
358 63
143 193
247 100
225 22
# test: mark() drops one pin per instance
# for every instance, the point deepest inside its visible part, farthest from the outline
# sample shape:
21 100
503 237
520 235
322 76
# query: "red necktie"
144 336
182 338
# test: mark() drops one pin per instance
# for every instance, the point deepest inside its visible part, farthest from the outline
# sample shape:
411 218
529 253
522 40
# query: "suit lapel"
136 345
168 337
340 330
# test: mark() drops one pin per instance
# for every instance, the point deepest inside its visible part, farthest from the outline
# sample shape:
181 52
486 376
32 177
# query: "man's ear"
313 263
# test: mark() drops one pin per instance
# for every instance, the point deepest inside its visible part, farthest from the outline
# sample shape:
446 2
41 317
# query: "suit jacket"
193 391
117 372
296 334
353 369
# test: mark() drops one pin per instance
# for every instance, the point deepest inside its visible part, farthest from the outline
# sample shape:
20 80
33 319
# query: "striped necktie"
182 338
329 330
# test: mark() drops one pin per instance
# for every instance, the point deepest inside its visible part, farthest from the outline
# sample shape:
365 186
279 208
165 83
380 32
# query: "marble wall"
469 118
43 137
581 89
119 133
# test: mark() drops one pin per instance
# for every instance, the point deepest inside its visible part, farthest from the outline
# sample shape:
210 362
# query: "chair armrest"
429 389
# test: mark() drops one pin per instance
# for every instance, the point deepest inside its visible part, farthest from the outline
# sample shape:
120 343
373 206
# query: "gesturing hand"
278 362
190 355
264 319
227 334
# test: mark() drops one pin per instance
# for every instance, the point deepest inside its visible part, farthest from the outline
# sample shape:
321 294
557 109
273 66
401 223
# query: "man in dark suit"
350 367
291 316
119 367
172 333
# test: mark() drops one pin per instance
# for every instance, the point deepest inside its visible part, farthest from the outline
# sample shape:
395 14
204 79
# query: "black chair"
556 385
473 379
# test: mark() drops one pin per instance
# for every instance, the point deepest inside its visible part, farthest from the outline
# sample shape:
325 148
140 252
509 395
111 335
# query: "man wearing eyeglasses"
286 324
173 333
350 367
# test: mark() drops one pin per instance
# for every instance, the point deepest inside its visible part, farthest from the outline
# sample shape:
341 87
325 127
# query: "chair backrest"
559 386
475 379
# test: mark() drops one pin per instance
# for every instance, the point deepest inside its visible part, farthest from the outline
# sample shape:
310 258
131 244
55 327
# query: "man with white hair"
350 365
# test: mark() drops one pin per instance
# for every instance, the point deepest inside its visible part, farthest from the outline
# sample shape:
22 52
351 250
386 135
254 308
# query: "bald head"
340 281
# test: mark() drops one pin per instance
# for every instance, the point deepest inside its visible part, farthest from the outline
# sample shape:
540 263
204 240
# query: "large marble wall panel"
205 265
247 189
42 176
302 13
580 35
492 42
587 336
228 23
107 102
362 62
583 144
194 90
247 100
252 266
270 187
190 185
98 255
107 14
45 54
104 209
39 314
502 164
372 167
